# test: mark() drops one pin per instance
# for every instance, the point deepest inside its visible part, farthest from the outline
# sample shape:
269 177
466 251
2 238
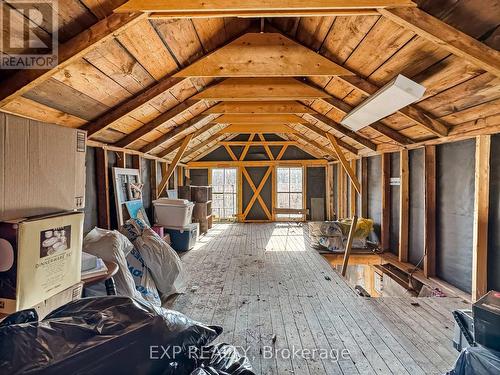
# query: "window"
290 191
224 187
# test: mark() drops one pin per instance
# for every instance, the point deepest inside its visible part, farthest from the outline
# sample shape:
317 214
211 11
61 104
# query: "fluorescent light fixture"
396 94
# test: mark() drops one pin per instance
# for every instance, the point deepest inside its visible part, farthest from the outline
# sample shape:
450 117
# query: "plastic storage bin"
183 239
173 213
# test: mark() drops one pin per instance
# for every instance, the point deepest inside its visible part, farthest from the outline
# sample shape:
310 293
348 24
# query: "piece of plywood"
263 55
286 107
244 89
261 128
259 119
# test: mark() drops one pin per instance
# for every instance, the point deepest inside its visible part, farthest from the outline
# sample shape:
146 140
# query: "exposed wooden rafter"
155 123
173 164
322 133
344 130
24 80
261 128
344 162
447 37
197 120
267 13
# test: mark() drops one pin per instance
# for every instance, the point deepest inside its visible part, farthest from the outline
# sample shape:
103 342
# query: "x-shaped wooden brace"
256 193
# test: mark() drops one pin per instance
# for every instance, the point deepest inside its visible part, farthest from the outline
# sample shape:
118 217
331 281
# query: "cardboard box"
43 308
42 168
40 257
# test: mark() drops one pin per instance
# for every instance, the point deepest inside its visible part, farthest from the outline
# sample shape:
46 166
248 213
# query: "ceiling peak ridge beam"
263 55
261 88
411 112
24 80
200 6
447 37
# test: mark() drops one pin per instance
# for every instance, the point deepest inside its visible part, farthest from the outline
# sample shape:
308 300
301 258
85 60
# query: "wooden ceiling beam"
322 133
197 120
173 164
324 151
383 129
198 6
447 37
344 162
267 13
155 123
260 128
176 145
260 107
258 119
130 105
214 138
260 88
345 131
22 81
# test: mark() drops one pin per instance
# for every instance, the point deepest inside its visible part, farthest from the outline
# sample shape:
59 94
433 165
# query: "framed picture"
127 187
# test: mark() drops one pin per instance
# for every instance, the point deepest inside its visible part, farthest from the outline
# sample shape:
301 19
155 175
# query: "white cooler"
173 213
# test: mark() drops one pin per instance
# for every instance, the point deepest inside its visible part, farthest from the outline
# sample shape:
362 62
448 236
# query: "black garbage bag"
104 335
223 359
477 360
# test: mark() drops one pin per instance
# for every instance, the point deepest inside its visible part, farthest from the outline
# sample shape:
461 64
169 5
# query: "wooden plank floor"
272 293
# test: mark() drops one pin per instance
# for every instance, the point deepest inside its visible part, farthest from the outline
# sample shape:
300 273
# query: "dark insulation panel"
494 216
417 207
455 212
375 194
315 186
395 204
199 177
219 154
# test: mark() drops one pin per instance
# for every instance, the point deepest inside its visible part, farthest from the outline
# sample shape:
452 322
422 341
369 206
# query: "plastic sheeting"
114 335
161 260
477 360
333 234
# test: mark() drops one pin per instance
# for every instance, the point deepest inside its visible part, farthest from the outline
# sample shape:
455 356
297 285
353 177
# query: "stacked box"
41 257
202 212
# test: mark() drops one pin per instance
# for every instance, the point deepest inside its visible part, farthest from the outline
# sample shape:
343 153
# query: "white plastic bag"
163 262
112 246
144 283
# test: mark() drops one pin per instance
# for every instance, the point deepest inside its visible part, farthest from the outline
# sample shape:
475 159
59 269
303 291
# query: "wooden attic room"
263 187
